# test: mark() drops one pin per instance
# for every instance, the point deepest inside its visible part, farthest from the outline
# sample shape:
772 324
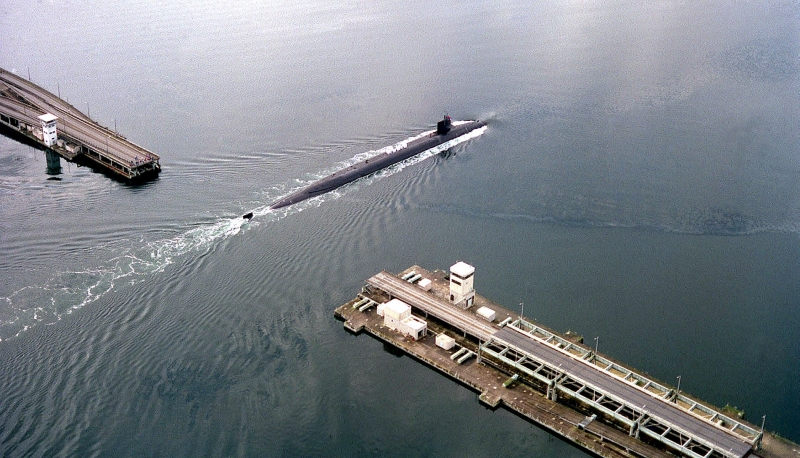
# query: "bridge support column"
634 432
53 162
552 394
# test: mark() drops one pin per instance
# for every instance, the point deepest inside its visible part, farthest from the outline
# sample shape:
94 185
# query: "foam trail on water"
70 290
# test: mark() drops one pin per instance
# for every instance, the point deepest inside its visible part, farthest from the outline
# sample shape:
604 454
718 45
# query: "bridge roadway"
432 305
25 101
653 406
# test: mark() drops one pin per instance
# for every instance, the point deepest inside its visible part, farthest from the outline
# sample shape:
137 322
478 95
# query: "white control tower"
49 131
462 292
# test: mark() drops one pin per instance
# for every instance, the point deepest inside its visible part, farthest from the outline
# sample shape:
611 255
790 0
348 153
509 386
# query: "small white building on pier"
397 316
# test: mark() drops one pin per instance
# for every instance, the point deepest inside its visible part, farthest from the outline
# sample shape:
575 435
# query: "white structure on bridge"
49 131
462 292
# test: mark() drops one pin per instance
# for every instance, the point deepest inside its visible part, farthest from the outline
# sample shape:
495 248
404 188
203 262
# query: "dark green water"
638 182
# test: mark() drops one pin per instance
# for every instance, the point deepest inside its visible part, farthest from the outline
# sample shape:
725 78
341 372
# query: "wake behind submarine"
445 131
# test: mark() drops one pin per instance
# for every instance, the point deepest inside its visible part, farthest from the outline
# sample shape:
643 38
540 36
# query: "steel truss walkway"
746 433
642 412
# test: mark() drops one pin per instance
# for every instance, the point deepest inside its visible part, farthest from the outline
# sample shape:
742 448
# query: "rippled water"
637 181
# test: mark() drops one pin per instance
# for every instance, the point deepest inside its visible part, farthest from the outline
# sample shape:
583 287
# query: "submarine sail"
446 130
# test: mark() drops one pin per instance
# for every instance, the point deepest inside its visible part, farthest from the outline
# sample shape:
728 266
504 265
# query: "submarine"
446 130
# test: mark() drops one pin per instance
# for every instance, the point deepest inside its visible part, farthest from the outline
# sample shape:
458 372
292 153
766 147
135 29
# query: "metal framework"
656 423
722 421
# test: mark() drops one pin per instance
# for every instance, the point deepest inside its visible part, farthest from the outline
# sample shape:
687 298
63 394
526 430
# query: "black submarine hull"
379 162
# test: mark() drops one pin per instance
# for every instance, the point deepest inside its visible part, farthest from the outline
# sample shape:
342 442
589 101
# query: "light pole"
522 310
678 392
596 344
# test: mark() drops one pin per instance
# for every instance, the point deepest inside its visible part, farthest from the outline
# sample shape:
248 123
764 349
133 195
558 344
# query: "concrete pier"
56 126
598 404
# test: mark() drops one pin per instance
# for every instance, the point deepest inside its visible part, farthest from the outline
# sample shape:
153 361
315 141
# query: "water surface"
638 182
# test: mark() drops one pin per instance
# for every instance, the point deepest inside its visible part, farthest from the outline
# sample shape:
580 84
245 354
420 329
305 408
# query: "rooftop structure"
462 291
49 129
397 316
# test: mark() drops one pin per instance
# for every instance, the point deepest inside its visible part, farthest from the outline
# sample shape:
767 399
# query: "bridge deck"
440 309
24 101
650 407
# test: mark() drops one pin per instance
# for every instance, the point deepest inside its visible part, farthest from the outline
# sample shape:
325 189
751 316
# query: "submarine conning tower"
443 126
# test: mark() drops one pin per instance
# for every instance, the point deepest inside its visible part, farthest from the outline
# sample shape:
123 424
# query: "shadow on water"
134 183
447 154
18 136
392 350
